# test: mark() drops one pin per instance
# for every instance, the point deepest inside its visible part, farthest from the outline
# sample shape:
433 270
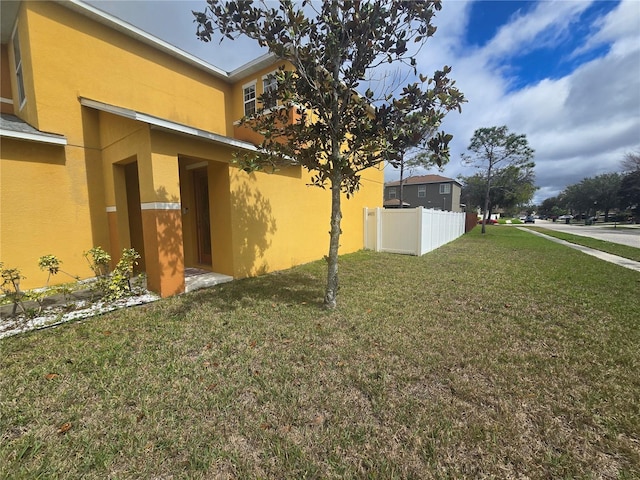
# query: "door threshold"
196 278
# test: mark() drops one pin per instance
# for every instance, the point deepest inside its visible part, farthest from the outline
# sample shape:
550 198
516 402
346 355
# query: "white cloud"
620 26
545 26
580 125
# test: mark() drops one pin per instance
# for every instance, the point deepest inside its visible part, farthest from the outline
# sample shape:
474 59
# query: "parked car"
529 219
565 217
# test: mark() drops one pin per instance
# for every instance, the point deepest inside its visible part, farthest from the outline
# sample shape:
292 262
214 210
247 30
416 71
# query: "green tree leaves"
333 46
498 153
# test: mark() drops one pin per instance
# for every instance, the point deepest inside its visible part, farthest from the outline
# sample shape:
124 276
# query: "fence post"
419 215
365 225
378 229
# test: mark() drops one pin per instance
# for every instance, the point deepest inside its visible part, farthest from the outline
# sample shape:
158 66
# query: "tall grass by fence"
410 231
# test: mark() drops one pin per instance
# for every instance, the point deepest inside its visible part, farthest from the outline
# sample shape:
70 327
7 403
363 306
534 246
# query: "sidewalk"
607 257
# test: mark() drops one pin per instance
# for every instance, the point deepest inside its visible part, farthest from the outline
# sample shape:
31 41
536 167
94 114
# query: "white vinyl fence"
411 231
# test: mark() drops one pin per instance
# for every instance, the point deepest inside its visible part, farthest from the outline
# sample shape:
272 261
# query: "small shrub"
120 282
99 261
51 263
11 287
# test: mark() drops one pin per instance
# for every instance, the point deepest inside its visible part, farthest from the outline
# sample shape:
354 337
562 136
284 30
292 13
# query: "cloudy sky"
564 73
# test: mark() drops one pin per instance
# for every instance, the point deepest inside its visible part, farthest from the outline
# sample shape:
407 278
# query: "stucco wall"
65 200
90 60
45 209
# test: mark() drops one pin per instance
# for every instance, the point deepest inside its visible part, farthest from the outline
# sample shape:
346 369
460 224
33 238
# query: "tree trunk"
401 186
331 293
486 198
486 209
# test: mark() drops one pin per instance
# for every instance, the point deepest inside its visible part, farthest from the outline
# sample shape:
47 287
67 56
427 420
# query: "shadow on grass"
287 288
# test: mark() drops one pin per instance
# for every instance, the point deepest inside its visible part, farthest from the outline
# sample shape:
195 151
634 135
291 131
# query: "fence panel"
413 231
398 231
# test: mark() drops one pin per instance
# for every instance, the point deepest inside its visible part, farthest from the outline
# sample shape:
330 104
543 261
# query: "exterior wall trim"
160 206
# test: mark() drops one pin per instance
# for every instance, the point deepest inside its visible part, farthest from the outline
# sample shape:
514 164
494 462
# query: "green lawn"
496 356
624 251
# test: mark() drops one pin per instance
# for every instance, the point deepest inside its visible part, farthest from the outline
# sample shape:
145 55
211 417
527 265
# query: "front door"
203 219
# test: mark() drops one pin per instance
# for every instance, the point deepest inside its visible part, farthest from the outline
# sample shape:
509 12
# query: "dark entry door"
203 219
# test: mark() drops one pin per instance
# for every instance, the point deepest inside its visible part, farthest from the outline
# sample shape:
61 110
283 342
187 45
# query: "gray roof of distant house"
421 180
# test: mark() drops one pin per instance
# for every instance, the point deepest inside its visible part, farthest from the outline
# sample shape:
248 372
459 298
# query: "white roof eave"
34 137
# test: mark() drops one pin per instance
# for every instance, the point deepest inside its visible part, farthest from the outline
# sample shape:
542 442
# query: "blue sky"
535 63
565 73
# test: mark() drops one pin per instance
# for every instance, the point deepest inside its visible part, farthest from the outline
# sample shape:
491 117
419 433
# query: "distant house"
428 191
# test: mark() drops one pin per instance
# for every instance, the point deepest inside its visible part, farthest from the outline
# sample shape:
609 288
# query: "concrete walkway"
607 257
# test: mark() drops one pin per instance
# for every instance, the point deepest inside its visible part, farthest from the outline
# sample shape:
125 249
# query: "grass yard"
624 251
496 356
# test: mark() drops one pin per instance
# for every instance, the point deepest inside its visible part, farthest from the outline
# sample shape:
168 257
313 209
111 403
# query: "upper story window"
445 188
17 57
422 191
392 192
269 83
249 92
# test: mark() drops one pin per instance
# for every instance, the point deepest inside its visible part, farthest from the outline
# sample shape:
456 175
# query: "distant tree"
409 134
607 189
631 162
578 198
594 193
493 150
473 190
551 207
512 187
324 125
629 193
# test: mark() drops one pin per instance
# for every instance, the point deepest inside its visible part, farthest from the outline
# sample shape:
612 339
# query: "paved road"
624 236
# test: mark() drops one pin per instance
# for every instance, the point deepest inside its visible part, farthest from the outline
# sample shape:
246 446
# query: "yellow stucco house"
111 137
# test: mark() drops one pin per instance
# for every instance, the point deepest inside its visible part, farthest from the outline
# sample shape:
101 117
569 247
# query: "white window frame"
269 82
249 98
445 188
392 193
422 191
17 59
